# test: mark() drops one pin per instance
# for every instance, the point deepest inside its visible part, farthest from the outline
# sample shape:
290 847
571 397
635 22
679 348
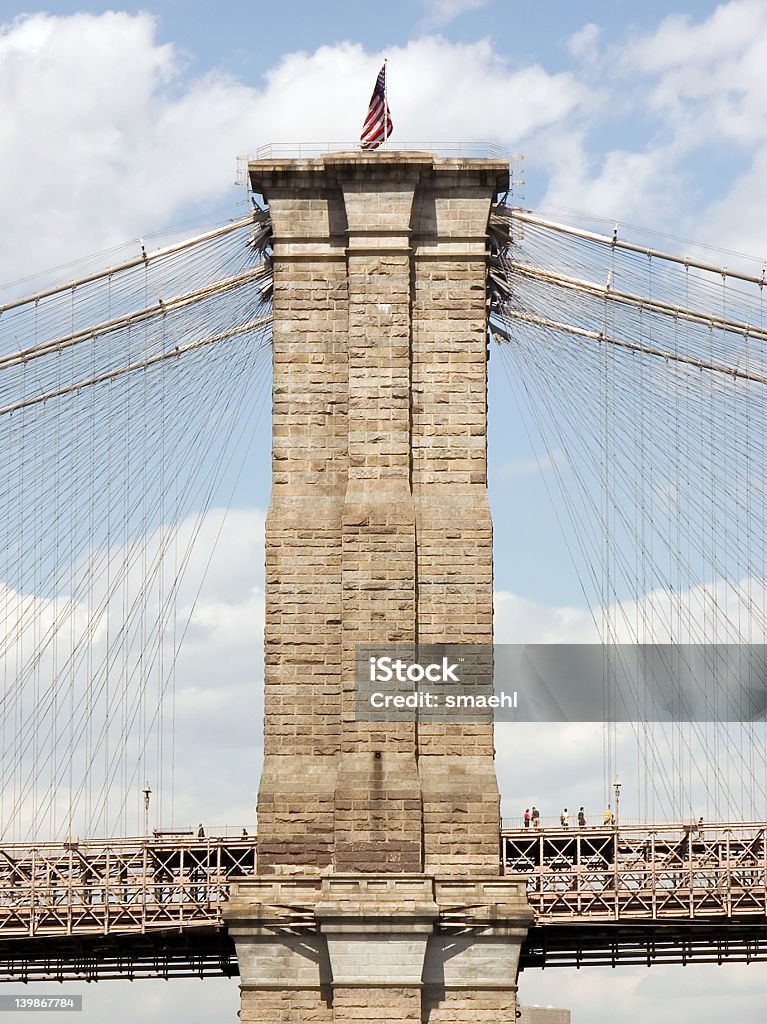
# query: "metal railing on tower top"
457 150
277 150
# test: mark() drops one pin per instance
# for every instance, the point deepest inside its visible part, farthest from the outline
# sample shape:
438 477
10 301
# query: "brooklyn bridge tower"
378 894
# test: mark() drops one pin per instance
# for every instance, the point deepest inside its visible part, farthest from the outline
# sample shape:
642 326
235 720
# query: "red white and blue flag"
378 124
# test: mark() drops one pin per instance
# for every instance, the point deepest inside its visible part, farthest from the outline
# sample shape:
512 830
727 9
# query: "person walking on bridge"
526 817
581 818
564 819
535 817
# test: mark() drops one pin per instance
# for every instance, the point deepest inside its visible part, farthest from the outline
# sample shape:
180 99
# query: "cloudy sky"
118 123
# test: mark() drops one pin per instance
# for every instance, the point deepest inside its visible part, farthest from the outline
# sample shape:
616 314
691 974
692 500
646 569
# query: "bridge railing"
123 885
623 874
641 872
293 150
597 821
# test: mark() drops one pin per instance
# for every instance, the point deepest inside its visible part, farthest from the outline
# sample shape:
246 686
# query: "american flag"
378 124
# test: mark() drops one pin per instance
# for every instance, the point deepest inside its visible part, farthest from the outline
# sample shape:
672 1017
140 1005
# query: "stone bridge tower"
379 895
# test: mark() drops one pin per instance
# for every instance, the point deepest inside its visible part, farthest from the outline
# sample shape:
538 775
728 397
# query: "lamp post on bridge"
147 794
617 788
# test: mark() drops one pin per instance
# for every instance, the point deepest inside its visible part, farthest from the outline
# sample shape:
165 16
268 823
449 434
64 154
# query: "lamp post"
147 795
617 788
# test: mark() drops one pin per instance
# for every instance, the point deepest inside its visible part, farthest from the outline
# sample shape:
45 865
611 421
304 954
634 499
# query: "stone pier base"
358 948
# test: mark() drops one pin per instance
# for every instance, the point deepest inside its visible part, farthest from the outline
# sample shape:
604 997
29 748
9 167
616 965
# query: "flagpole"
386 107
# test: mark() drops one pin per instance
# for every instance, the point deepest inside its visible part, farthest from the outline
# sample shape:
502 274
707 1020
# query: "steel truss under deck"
154 906
119 908
643 894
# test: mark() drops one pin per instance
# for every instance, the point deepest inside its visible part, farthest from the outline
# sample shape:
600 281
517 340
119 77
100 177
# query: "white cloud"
707 78
573 778
437 90
738 220
78 91
551 765
730 30
728 608
519 620
109 139
584 44
701 84
639 187
680 102
440 12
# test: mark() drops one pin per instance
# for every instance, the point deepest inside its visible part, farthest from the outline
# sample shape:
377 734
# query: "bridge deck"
637 894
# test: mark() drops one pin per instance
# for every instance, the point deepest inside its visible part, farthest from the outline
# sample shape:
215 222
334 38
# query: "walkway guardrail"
634 873
119 886
292 150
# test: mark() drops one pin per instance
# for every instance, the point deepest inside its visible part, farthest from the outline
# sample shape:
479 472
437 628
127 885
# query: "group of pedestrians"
532 818
564 818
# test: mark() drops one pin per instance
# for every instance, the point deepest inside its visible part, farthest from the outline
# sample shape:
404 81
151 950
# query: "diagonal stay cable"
526 217
141 364
137 261
633 346
627 298
136 317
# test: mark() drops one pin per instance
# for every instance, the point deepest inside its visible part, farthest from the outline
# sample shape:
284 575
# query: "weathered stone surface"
378 531
372 950
378 527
